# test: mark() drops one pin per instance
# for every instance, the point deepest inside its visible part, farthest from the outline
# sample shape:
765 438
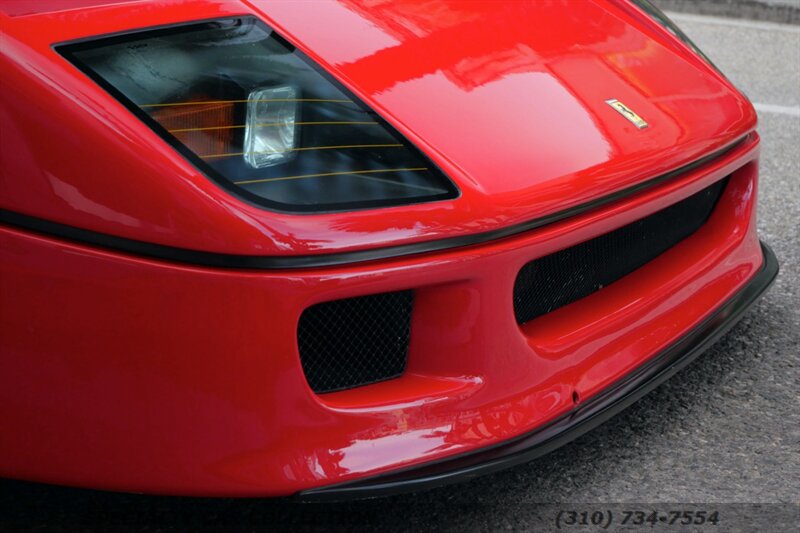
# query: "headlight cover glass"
260 118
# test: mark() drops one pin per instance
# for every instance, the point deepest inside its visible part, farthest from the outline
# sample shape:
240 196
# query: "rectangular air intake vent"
553 281
354 342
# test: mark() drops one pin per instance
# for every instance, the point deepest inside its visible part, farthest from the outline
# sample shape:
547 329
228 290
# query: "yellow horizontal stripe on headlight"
248 182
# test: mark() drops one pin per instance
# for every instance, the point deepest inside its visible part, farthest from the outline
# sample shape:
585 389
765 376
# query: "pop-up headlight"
260 118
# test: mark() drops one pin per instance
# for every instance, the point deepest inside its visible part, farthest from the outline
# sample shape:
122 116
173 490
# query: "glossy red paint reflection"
163 378
137 374
508 98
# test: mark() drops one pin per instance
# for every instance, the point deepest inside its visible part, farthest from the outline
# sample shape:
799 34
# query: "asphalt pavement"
725 429
787 11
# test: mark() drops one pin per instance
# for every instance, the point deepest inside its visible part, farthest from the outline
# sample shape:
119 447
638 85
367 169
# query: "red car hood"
509 98
514 93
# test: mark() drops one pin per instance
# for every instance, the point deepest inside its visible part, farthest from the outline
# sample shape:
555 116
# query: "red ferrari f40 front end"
344 248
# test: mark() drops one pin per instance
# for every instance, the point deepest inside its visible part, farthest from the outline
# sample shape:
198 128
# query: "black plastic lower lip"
579 421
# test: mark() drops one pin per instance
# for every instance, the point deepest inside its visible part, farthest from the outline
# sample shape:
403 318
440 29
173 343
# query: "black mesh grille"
354 342
561 278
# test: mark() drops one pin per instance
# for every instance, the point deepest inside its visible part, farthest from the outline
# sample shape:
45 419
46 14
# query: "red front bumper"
144 375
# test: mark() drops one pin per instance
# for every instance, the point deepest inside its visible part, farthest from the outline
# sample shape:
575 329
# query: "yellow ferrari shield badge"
628 113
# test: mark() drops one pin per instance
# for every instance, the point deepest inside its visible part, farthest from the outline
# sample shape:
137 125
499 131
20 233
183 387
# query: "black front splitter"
582 419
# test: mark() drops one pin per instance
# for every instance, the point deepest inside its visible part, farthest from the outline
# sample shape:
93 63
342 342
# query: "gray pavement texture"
725 429
784 11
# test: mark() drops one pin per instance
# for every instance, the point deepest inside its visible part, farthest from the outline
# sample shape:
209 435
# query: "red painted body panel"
534 134
135 374
17 8
146 376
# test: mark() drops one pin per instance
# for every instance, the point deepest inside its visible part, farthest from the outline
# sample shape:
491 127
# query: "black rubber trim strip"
582 419
221 260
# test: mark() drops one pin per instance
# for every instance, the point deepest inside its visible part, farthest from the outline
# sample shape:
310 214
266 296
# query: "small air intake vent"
561 278
354 342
